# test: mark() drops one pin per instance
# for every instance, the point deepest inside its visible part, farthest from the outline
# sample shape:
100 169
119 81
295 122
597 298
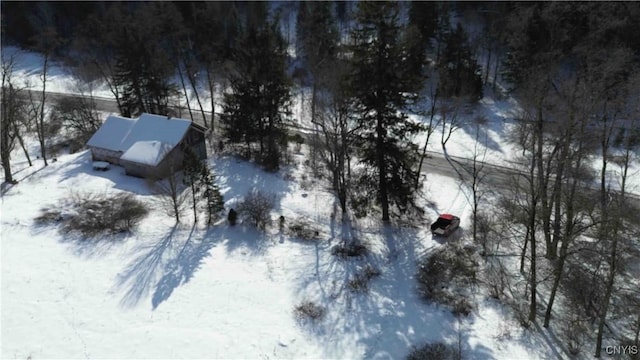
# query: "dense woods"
574 68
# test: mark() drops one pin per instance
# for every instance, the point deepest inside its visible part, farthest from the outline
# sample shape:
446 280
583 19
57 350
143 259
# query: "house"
151 146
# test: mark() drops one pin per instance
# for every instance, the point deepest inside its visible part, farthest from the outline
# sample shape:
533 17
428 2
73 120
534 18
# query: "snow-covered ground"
186 291
170 291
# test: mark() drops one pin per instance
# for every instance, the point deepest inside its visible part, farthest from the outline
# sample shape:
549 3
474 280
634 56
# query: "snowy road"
497 177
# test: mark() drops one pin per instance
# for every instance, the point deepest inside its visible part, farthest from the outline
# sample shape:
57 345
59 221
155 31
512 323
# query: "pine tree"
459 72
143 70
423 21
257 107
317 34
383 86
215 201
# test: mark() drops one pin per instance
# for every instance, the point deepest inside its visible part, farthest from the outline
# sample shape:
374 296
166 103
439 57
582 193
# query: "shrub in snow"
309 310
360 283
574 330
435 351
256 208
446 276
48 216
232 217
345 251
304 229
370 272
97 213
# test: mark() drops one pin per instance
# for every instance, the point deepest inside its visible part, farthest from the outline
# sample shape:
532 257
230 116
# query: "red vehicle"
445 225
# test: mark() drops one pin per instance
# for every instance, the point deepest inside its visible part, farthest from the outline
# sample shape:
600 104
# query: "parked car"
445 225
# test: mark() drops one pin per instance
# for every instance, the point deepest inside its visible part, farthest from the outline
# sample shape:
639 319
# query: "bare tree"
615 206
336 136
477 173
450 119
48 42
11 110
79 116
256 208
190 68
173 198
39 113
573 205
433 123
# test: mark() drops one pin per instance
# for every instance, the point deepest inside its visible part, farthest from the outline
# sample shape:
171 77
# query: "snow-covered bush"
256 208
446 276
351 249
97 213
303 229
435 351
309 310
48 216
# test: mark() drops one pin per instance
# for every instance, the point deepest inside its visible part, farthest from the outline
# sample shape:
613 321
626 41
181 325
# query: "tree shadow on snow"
181 268
388 319
246 240
237 177
498 113
165 265
140 275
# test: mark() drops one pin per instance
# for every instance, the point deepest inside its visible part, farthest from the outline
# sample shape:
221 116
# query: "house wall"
195 139
100 154
138 170
171 162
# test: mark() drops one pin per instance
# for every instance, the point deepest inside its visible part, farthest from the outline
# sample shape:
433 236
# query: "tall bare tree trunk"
194 87
616 224
40 117
382 175
613 268
314 145
523 254
559 266
24 149
536 189
212 90
430 130
184 90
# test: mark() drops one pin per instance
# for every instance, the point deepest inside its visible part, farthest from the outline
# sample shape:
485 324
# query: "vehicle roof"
447 216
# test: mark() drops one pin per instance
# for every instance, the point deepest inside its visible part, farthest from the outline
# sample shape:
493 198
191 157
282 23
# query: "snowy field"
225 292
186 291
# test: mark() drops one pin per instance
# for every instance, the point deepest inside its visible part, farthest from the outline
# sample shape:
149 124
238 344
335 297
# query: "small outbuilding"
150 146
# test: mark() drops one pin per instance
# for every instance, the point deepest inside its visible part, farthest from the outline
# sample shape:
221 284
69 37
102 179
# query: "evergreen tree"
215 201
317 34
202 186
302 29
257 107
423 21
383 86
143 70
459 72
192 168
